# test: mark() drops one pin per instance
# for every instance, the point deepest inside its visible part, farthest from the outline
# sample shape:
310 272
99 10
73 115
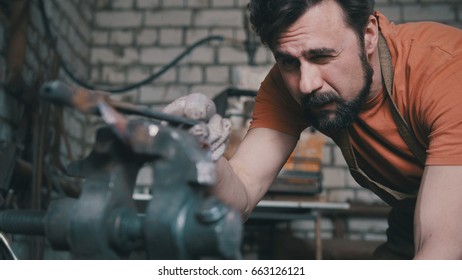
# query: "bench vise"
180 220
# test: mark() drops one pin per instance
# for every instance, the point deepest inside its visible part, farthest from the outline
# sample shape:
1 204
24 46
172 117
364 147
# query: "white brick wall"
117 42
169 18
116 19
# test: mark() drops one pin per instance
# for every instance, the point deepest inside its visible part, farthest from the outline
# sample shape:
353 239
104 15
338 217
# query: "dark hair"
271 17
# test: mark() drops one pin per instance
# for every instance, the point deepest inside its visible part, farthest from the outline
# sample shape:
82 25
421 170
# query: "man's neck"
377 82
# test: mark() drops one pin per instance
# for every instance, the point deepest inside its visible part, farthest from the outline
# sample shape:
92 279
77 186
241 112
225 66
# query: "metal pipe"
22 222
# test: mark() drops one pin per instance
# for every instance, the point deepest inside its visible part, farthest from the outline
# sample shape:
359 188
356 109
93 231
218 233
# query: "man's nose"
310 79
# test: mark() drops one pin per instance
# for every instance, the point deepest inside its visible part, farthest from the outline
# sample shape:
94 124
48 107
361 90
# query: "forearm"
439 248
437 230
230 189
437 237
245 178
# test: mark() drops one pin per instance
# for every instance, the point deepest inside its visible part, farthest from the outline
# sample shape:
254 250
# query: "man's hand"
212 129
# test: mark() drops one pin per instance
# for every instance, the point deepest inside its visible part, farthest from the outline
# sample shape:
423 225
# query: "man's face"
346 112
325 67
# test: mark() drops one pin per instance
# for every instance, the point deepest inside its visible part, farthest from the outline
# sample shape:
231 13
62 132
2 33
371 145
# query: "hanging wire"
142 82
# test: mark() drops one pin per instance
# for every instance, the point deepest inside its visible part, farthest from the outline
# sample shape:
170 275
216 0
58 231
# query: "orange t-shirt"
427 89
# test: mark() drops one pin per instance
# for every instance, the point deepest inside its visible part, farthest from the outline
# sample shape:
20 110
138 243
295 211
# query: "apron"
400 232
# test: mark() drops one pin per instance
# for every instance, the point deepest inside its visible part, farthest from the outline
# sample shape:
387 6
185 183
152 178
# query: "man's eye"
288 63
320 59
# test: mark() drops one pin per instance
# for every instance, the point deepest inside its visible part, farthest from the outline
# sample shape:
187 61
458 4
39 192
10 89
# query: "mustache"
319 98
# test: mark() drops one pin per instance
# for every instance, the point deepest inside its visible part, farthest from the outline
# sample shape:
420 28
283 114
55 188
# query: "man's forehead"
319 29
323 18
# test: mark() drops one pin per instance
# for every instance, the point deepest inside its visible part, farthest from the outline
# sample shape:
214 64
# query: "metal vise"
179 222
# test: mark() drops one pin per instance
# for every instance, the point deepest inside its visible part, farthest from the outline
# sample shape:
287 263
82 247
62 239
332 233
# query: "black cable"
148 79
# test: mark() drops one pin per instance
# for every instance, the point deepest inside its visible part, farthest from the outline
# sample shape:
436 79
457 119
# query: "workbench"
291 209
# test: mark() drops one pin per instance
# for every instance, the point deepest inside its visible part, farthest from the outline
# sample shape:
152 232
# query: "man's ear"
371 35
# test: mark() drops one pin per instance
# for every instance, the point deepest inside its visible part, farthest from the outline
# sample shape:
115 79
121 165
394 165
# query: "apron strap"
403 128
387 194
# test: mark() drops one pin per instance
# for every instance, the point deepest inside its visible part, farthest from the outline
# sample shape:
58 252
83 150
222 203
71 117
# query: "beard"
346 112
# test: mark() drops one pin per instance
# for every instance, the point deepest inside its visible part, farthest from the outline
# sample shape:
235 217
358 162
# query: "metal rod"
86 101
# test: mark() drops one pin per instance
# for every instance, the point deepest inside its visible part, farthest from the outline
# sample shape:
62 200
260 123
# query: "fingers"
213 129
195 106
176 107
219 130
199 107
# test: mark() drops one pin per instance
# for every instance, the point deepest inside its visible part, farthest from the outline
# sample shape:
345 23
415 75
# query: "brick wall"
6 102
70 22
444 11
132 39
112 43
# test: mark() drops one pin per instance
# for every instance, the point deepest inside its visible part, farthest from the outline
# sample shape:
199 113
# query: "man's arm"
245 178
438 215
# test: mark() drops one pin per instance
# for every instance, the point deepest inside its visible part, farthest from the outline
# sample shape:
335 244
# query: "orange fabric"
275 108
427 89
309 147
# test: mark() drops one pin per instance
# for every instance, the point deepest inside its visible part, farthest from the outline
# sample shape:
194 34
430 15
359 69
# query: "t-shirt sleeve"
442 103
275 107
428 75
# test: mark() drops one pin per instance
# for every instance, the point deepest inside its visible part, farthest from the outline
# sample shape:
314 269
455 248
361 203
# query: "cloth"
427 89
400 234
213 129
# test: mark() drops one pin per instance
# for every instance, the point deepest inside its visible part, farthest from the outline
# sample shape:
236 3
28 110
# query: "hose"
122 89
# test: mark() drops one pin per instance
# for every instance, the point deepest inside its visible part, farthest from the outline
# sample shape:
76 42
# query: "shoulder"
276 108
274 90
421 37
423 53
427 60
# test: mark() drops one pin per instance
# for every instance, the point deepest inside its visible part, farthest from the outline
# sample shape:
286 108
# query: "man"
332 73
